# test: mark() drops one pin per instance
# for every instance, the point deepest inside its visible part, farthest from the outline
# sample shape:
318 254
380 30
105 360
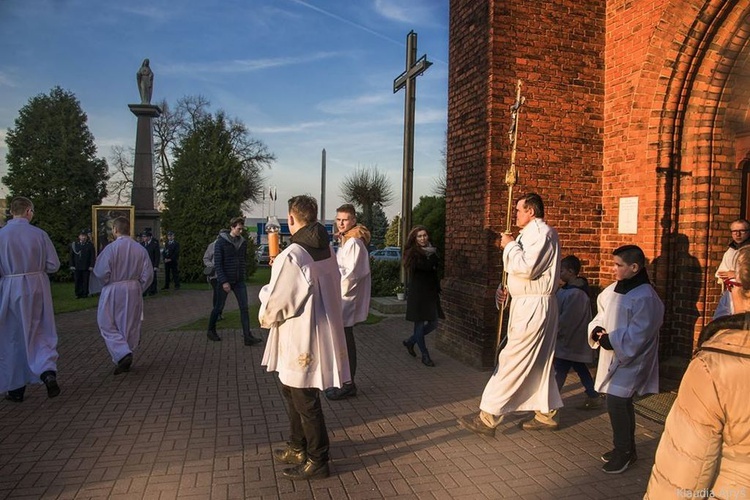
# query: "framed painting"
101 222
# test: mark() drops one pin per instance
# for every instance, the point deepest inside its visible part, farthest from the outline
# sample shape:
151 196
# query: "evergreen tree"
392 236
210 181
52 161
379 226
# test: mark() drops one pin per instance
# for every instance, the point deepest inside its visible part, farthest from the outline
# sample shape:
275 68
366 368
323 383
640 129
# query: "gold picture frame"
101 222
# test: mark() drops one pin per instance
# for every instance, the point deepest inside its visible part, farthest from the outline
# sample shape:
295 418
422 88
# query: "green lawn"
64 300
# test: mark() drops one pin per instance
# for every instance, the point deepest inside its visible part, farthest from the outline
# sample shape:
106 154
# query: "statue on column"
145 78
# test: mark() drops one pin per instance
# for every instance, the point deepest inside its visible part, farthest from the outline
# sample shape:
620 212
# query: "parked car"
387 253
261 253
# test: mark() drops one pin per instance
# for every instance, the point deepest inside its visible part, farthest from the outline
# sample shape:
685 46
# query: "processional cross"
510 180
408 79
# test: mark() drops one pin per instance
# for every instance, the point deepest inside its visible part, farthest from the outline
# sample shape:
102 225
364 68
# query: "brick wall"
667 121
556 49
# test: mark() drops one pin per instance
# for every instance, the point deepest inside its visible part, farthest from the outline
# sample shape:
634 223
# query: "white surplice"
28 336
524 379
301 306
354 265
125 271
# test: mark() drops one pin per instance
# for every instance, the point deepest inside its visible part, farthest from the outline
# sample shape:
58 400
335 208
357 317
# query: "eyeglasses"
733 231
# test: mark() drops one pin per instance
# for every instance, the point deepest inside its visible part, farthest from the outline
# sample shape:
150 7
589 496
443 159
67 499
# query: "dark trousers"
351 350
81 282
240 293
215 299
422 328
307 426
171 271
152 289
622 417
563 366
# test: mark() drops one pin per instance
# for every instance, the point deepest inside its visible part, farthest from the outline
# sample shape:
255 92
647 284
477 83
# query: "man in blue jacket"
230 253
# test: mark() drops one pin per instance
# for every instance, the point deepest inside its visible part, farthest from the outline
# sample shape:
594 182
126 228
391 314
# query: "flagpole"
510 181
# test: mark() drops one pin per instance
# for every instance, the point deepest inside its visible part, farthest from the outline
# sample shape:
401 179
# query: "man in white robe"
28 336
125 271
524 377
301 306
354 265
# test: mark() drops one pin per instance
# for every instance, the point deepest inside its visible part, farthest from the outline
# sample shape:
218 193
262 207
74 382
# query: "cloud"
352 105
285 129
242 65
146 11
347 21
5 80
406 12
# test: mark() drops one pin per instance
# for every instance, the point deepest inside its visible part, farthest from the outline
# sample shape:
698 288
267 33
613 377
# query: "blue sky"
302 75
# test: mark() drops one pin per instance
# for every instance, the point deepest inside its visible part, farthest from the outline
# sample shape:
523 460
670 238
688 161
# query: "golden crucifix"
510 181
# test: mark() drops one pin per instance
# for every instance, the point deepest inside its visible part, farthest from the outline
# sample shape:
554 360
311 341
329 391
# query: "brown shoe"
290 456
475 424
536 425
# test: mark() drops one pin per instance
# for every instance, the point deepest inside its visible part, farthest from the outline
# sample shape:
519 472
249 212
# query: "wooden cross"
407 80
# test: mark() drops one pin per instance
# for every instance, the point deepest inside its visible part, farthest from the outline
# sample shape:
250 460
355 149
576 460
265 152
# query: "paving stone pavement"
197 420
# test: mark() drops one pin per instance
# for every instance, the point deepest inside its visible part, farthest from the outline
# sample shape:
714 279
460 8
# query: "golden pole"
510 181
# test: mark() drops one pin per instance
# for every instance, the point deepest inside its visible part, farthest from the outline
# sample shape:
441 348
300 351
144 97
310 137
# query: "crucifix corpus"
408 80
510 180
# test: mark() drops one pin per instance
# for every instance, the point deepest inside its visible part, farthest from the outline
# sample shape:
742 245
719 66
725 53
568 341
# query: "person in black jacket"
423 299
230 254
81 263
152 247
171 255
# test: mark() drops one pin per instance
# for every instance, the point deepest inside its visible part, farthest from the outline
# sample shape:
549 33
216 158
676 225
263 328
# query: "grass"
64 300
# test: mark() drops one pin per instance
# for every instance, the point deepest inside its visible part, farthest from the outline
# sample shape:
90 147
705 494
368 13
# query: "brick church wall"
556 49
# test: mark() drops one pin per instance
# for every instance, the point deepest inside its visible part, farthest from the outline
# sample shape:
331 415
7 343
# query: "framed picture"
101 221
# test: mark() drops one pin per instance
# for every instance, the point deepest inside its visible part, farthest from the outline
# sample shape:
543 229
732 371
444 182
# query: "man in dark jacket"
152 247
81 263
230 254
171 254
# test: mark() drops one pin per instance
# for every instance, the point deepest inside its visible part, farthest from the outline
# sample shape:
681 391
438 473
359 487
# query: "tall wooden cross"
408 80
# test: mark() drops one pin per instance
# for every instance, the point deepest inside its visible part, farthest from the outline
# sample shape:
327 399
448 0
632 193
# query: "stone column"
143 193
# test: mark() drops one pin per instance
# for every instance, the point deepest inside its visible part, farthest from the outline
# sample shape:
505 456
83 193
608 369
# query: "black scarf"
640 278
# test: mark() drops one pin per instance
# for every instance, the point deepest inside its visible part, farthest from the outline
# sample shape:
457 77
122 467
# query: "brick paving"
197 420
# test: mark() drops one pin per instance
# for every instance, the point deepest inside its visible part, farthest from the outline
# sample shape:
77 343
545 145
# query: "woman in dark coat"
423 299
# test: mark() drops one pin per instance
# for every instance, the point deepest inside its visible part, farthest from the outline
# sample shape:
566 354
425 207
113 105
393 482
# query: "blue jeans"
422 328
563 366
240 293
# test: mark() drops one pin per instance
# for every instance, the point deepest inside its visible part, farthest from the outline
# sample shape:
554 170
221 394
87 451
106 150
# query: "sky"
302 75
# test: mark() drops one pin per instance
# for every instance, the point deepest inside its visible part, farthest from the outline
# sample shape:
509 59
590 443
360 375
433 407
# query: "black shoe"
474 424
213 336
16 395
50 380
426 360
124 364
619 463
220 318
290 456
410 348
335 394
251 341
606 457
308 470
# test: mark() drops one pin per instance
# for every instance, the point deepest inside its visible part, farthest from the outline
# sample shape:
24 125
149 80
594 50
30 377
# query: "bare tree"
441 183
120 183
365 188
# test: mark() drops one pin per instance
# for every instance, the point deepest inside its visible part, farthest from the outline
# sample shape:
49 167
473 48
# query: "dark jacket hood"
314 239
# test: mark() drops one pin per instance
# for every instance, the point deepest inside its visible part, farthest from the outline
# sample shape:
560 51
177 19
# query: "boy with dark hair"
301 306
572 349
627 329
230 254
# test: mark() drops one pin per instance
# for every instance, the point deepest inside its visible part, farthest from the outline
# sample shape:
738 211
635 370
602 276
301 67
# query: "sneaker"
591 403
213 336
619 463
475 424
290 455
50 380
606 457
307 470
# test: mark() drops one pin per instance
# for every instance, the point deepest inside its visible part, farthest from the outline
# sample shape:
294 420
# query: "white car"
387 253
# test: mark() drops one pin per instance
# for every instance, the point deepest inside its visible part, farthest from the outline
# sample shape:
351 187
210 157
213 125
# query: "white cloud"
242 65
352 105
285 129
5 80
147 11
406 12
